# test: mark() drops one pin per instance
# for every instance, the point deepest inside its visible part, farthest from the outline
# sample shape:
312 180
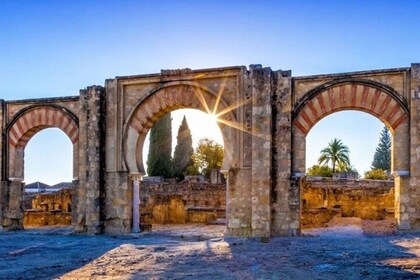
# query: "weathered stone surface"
13 210
261 150
91 155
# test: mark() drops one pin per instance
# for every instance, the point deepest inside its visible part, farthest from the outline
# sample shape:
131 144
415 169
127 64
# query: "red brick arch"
381 102
31 121
172 98
167 98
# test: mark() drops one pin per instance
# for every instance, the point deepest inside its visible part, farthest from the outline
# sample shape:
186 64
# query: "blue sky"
55 48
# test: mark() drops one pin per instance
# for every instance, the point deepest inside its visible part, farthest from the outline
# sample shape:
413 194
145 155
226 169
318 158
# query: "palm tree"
337 153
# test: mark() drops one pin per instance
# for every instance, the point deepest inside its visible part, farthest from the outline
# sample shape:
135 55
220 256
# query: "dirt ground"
346 249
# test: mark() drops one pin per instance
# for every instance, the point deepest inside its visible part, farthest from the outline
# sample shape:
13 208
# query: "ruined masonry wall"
182 203
49 209
367 199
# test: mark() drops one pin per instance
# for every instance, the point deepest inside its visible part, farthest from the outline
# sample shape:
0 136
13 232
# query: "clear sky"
55 48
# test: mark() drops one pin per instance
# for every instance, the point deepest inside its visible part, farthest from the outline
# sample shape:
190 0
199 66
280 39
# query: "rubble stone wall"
324 198
172 203
48 208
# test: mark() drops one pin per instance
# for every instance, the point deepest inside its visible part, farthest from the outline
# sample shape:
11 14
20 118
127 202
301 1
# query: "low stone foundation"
180 203
39 219
48 209
323 198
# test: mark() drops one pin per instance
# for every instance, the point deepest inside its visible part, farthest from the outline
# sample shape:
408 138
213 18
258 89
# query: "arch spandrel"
380 102
167 98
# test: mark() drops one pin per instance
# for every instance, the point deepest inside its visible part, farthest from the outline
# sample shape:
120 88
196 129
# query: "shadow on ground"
197 253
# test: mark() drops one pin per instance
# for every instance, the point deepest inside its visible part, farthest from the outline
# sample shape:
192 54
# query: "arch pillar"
407 203
13 208
3 184
400 166
90 194
299 151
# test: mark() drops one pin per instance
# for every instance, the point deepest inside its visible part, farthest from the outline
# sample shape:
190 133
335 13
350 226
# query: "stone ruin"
324 199
48 209
264 116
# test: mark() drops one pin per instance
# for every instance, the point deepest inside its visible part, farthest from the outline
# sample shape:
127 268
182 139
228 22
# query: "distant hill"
37 187
63 185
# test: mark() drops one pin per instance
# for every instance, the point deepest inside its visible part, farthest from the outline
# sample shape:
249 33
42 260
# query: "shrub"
376 174
321 171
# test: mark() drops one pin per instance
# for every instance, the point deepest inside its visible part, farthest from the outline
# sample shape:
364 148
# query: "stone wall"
171 203
324 198
48 209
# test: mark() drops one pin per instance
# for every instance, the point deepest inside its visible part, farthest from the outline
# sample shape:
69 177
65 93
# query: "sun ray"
232 107
200 96
234 124
219 94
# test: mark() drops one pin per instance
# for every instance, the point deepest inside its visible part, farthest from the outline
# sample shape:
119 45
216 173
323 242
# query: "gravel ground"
201 252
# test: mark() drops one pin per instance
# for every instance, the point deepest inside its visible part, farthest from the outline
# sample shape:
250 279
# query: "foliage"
376 174
207 156
321 171
337 153
382 156
183 151
159 157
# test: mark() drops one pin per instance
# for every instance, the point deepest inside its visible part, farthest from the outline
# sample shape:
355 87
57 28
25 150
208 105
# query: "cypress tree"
183 151
159 157
382 156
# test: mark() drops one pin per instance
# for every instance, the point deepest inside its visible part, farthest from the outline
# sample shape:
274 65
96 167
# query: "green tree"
183 151
207 156
337 153
321 171
376 174
382 156
159 157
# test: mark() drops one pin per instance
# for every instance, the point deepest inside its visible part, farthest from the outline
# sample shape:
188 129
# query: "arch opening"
192 194
326 103
48 175
24 126
171 98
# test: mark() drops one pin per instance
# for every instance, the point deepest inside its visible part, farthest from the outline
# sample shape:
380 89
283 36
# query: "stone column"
261 150
136 178
410 214
13 211
285 192
3 190
91 192
298 152
3 184
402 207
